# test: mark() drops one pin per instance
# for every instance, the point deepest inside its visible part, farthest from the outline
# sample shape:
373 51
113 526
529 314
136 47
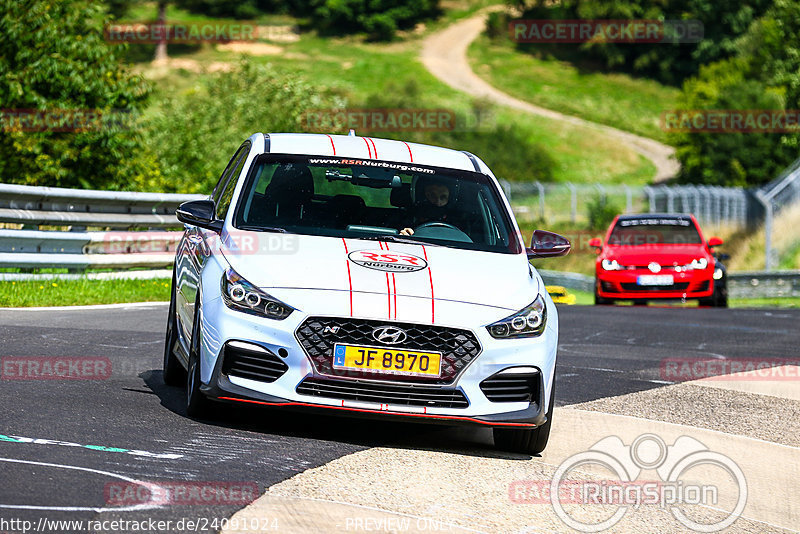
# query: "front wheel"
197 404
526 441
173 373
598 300
718 299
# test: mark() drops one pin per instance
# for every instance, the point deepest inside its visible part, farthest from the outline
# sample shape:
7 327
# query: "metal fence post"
767 203
651 198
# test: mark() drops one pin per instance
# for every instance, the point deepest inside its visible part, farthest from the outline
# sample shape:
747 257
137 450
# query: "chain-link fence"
567 202
781 196
733 207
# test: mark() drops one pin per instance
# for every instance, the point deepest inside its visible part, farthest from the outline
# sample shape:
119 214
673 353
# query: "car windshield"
654 230
370 199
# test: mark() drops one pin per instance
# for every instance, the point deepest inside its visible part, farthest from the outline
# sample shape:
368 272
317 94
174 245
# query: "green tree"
195 134
765 74
53 57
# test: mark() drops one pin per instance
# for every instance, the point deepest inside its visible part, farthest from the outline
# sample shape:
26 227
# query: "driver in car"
433 207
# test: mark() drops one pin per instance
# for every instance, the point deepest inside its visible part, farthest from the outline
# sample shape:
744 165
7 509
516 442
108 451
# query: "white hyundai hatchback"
366 277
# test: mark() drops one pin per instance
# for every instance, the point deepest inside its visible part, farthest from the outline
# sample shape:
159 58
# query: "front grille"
317 336
384 393
703 286
631 286
237 360
511 388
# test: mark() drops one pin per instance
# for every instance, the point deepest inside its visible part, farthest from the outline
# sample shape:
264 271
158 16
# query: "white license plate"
655 280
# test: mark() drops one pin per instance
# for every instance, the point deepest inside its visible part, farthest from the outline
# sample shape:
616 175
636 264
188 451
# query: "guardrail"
78 249
743 285
764 284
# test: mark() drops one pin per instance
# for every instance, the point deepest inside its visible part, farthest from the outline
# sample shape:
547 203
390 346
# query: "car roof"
354 146
629 216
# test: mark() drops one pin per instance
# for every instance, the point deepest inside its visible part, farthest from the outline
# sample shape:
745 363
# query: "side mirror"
199 213
596 242
714 242
547 245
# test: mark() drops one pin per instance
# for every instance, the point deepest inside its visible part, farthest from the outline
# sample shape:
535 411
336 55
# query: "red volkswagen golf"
658 256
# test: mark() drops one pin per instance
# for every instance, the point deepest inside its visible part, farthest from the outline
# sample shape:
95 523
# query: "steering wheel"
437 224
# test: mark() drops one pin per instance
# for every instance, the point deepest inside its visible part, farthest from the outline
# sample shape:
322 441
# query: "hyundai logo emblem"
389 335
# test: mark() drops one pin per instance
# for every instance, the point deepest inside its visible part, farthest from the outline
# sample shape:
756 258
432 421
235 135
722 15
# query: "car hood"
391 270
661 254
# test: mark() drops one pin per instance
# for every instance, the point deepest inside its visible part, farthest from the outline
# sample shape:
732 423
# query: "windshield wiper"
264 229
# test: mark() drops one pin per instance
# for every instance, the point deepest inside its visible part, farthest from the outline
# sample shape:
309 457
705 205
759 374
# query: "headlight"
717 273
701 264
610 265
528 322
241 295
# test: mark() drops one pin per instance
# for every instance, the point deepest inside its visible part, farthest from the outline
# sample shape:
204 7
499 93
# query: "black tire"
718 299
197 404
598 300
174 373
531 441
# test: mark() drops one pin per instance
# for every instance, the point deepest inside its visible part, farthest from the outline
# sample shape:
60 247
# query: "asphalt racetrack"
67 444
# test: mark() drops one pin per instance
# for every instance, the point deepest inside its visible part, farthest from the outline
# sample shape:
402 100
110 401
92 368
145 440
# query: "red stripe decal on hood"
332 145
411 156
369 150
374 148
430 277
349 278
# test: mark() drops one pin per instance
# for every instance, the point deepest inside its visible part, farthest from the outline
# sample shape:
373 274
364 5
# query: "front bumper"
623 285
277 337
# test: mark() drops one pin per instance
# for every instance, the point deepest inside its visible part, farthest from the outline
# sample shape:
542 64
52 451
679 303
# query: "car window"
366 198
224 201
651 231
223 179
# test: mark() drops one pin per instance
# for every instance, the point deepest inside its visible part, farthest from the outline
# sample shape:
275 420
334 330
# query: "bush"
378 18
194 135
601 212
497 25
53 57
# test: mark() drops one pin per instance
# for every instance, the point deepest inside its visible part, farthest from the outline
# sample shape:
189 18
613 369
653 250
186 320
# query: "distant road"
444 54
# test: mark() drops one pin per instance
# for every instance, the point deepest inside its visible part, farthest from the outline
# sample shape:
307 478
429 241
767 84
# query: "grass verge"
363 73
618 100
586 298
83 291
